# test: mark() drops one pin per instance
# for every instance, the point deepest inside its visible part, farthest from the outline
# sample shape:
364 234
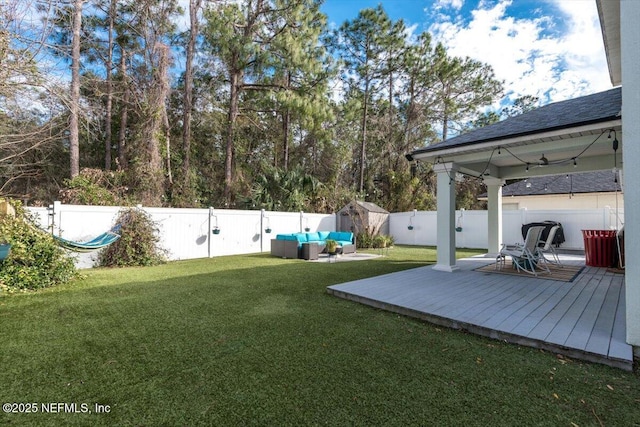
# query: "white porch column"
446 199
494 215
630 46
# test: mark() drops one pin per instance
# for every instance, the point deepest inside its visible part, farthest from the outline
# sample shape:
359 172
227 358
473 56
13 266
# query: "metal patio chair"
525 257
548 249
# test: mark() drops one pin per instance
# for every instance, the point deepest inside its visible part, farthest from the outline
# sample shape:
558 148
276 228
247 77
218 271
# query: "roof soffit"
609 14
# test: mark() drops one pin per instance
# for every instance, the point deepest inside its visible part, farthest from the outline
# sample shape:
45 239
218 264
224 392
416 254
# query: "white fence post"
209 231
523 213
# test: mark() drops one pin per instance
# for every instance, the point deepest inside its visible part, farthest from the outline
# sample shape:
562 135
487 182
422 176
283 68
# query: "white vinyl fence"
473 225
187 233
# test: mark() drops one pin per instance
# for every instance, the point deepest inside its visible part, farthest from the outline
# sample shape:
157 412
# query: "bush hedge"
139 244
35 261
366 240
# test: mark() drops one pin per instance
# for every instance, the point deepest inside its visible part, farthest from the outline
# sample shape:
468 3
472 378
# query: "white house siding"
564 201
630 72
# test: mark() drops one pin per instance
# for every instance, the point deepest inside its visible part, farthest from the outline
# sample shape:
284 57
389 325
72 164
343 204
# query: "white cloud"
530 61
455 4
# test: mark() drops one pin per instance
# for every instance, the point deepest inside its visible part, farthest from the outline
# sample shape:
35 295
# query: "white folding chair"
549 249
525 257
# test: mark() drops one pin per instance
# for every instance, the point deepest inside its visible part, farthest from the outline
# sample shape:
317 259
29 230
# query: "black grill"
558 239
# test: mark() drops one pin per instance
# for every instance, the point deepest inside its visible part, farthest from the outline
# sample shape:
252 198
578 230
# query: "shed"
359 217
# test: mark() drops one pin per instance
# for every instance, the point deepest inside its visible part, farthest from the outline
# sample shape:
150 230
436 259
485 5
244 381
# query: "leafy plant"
367 240
332 245
284 190
94 187
364 240
139 244
35 261
382 241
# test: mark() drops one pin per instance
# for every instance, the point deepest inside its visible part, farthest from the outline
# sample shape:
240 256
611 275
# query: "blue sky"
552 49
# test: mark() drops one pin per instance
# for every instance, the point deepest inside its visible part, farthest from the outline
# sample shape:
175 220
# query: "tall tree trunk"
167 138
286 120
194 6
149 168
445 125
389 152
236 85
74 132
124 113
109 107
363 134
234 95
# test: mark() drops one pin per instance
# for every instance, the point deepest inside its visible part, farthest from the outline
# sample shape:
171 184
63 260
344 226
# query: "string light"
543 161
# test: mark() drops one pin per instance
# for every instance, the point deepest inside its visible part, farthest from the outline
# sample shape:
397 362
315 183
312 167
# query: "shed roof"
589 109
368 206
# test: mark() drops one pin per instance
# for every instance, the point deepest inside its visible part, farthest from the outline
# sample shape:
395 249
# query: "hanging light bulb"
575 164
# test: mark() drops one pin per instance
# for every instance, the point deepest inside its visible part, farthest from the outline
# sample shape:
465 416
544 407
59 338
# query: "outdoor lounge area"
309 245
583 318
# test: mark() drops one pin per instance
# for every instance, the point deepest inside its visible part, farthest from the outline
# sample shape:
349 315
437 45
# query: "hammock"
99 242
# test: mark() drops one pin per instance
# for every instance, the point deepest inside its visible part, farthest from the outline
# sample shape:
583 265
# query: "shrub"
95 187
382 241
139 244
364 240
36 261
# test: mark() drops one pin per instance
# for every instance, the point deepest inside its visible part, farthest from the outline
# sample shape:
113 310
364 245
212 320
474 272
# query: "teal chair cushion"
342 236
286 237
324 235
313 237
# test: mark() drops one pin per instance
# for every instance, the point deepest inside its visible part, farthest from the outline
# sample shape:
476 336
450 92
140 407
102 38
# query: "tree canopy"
245 104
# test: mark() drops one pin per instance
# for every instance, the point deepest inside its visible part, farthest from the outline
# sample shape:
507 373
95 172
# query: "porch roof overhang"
609 14
572 135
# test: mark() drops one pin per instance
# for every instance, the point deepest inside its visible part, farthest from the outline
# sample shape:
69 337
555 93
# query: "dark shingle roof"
595 108
372 207
367 206
582 182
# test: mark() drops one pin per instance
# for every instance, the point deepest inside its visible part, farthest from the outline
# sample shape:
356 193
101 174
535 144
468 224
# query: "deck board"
603 328
618 347
555 314
566 324
579 336
533 319
584 318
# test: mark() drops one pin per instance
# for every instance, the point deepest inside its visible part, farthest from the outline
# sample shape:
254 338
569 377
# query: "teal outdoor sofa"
309 245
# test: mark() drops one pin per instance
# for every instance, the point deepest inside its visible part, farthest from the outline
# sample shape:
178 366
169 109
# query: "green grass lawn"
256 340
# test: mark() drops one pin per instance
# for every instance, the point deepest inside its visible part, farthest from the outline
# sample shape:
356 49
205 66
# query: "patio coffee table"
335 254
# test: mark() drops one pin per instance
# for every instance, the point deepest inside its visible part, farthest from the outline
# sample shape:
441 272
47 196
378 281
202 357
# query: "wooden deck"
583 319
